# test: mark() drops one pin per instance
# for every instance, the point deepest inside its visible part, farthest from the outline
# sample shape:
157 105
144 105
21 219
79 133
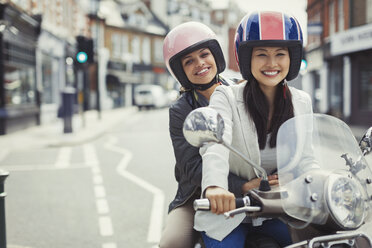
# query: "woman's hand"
255 183
220 199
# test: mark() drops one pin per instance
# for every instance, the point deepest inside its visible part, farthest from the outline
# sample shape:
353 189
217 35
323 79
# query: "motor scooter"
325 184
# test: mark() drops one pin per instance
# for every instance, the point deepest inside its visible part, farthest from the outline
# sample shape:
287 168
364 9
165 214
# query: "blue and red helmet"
268 28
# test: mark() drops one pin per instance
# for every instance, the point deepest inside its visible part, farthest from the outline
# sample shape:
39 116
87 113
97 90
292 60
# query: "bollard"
68 96
3 176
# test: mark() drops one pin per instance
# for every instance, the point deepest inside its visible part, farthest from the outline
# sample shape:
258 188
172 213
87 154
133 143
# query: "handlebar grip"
204 205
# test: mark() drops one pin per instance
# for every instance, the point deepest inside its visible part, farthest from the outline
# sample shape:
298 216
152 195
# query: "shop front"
362 89
19 96
354 47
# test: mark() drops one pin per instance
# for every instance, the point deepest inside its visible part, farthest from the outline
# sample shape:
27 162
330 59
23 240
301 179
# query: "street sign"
315 28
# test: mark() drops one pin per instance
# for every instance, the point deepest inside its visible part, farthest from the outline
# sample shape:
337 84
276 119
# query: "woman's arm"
188 159
216 156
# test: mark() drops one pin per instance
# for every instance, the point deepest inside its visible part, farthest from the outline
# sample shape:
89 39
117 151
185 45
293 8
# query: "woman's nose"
199 62
272 61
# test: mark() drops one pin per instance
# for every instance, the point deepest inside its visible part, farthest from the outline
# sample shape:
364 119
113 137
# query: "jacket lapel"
247 127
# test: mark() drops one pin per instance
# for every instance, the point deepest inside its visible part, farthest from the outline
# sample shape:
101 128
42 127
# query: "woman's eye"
261 55
280 54
204 55
187 62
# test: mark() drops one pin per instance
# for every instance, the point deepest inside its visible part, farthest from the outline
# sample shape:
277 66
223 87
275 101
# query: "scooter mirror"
203 125
366 142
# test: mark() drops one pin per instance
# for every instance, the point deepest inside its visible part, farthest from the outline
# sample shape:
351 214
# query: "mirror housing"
203 125
365 143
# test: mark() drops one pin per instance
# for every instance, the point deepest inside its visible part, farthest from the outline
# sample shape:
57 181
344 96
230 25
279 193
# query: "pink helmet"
185 38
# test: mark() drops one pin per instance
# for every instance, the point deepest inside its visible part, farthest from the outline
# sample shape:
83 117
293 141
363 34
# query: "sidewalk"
86 127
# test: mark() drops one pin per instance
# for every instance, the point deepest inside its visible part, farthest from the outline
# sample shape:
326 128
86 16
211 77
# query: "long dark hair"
257 107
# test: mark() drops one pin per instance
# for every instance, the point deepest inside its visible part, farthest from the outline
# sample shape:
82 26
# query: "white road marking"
90 156
109 245
104 222
102 206
105 226
3 154
96 170
63 157
156 219
97 179
99 191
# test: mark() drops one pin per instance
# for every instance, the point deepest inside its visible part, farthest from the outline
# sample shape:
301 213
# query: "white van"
150 95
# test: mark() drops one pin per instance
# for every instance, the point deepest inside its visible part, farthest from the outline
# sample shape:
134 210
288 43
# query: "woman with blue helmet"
194 57
268 50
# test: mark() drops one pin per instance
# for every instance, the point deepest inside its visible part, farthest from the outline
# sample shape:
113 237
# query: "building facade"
133 37
19 94
61 22
338 53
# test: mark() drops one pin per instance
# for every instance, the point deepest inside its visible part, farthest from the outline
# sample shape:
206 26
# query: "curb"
51 134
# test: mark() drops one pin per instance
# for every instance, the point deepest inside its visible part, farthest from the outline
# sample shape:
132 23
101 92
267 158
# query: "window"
195 14
37 6
369 11
124 46
136 49
206 18
172 7
19 85
314 36
25 4
332 22
115 46
341 18
365 100
146 51
158 51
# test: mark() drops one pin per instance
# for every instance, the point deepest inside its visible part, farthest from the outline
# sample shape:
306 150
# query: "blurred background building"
122 40
339 56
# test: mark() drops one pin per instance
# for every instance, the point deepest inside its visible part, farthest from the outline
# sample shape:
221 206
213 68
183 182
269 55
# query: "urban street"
108 192
86 158
111 192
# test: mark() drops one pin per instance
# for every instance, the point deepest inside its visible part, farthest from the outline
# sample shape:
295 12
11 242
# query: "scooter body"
325 192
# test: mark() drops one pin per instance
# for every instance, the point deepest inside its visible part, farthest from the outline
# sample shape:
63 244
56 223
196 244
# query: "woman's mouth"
270 73
202 72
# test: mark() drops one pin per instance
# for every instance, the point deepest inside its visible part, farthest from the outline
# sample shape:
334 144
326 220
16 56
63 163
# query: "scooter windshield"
322 172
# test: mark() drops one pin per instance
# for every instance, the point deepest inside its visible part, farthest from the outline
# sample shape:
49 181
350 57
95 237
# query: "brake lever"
231 213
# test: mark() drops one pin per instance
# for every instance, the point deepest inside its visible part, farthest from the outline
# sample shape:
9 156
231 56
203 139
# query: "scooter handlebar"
204 205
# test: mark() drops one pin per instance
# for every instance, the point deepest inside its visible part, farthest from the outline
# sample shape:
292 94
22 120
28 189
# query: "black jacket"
188 169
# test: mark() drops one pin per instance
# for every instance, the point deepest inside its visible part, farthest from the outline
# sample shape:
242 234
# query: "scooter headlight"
345 201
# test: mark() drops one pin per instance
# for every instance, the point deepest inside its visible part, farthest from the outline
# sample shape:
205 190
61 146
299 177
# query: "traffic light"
84 52
303 67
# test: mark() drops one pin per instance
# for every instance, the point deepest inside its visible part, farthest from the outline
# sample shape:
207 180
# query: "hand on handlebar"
220 199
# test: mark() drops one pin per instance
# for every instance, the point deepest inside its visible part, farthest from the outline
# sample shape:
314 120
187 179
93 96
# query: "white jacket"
241 133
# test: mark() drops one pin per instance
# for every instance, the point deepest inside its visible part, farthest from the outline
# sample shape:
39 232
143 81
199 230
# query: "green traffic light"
82 57
303 64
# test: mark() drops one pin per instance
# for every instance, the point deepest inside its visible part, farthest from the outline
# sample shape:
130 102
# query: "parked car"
172 96
150 96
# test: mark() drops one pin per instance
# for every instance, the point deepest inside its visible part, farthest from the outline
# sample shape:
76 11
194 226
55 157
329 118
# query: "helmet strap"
203 87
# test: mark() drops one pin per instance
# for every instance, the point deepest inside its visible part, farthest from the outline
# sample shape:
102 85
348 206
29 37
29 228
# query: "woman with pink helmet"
194 58
268 50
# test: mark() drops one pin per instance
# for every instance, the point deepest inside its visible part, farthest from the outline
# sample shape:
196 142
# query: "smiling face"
199 66
270 65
